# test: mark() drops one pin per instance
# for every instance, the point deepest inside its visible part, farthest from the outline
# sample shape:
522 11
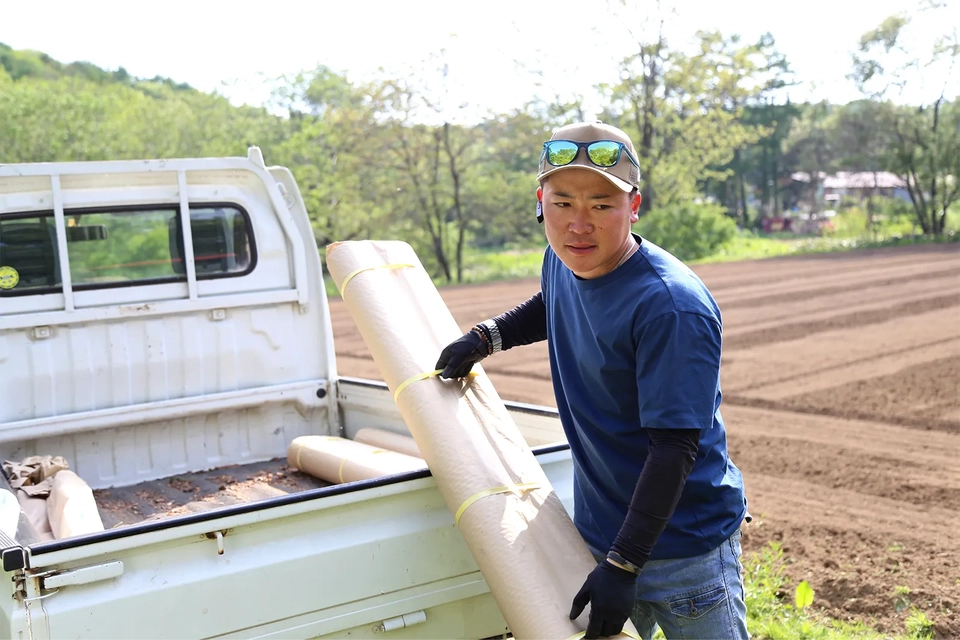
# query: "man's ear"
635 207
540 205
539 194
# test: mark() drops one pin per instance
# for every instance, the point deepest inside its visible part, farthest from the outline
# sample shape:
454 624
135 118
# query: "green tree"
45 120
640 99
926 147
73 118
863 141
334 144
502 193
687 111
763 165
689 231
746 79
437 159
810 148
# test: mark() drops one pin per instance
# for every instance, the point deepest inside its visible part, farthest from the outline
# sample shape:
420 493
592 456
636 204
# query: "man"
634 343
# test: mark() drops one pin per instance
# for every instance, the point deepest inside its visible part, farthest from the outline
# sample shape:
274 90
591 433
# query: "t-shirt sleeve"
544 266
678 371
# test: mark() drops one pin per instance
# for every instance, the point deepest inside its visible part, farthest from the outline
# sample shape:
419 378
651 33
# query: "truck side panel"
301 570
325 565
299 564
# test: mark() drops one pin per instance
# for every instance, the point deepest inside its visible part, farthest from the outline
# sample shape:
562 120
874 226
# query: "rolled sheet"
524 542
35 509
71 507
389 440
9 513
340 460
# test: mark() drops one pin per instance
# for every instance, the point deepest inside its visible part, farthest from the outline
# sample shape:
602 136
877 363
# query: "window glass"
28 254
221 242
117 247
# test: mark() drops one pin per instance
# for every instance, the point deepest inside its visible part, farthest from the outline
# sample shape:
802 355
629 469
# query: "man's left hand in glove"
611 592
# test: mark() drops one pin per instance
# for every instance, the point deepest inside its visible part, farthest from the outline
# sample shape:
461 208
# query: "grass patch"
775 614
750 246
491 266
772 613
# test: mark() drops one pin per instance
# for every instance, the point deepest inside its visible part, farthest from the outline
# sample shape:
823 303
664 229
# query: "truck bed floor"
201 491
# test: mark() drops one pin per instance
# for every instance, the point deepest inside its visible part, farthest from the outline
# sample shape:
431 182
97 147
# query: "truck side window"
117 247
28 254
221 242
127 246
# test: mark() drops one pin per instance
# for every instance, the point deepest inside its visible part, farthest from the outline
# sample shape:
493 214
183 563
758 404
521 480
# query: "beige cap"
625 174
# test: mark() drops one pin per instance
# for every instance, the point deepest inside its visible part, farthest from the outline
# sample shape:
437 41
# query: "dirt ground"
841 380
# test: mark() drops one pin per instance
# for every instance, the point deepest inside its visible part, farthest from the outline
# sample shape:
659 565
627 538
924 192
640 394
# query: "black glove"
612 592
458 357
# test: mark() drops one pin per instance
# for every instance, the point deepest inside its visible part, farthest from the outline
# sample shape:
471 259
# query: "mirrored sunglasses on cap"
602 153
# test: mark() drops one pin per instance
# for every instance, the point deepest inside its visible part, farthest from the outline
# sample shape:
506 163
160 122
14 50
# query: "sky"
499 53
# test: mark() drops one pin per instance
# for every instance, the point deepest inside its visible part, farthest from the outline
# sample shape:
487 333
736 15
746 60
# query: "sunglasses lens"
561 153
604 153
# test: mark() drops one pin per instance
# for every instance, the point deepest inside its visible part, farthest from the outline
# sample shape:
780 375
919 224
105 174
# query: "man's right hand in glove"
458 357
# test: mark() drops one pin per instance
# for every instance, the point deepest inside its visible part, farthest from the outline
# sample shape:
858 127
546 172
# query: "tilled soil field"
841 379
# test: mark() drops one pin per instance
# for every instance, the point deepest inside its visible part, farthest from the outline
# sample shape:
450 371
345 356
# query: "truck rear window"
118 247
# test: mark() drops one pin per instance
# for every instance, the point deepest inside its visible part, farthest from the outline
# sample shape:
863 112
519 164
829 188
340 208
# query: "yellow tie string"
343 285
345 459
422 376
513 488
417 378
300 448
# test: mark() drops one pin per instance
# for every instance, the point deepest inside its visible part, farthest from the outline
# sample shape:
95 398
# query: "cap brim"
617 182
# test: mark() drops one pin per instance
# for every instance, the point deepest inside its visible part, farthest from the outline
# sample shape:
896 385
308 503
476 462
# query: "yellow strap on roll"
422 376
513 488
300 450
344 462
409 381
343 285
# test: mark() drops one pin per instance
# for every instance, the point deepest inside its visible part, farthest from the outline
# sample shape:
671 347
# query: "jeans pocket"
696 604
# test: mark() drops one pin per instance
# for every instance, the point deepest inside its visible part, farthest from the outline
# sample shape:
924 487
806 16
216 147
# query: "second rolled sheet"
338 460
389 440
71 507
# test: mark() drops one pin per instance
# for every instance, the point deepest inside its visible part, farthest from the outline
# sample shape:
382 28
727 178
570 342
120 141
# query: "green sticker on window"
8 277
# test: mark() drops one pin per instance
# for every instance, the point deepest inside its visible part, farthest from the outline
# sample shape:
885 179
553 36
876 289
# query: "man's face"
587 220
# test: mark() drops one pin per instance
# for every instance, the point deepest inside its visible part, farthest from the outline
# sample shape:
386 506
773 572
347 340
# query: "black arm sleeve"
669 461
524 324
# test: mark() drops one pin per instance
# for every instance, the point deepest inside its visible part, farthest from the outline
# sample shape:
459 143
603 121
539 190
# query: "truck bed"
200 491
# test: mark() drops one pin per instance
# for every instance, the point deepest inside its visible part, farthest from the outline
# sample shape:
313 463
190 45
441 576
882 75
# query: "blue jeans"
694 598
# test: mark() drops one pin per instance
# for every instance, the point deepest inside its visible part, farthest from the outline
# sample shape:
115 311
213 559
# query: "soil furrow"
802 329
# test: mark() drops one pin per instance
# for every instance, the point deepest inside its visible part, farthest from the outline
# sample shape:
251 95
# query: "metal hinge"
82 575
401 622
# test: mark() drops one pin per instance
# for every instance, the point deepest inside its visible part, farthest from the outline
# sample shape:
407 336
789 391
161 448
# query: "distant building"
828 189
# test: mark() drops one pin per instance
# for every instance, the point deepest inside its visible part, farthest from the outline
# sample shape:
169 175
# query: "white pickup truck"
164 328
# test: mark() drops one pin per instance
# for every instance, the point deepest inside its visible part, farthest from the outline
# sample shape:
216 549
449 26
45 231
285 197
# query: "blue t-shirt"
636 349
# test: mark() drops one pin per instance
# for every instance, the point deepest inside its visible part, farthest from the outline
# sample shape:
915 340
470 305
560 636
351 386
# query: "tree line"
380 158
